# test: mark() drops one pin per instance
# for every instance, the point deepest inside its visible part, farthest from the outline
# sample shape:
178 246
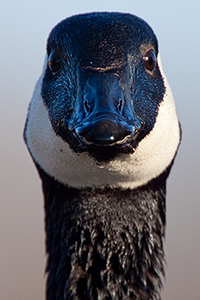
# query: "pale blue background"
24 27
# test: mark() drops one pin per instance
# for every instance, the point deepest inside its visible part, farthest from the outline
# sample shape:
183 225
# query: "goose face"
101 106
102 81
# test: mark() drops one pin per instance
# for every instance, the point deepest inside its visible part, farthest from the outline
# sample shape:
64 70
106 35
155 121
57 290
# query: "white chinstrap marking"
152 156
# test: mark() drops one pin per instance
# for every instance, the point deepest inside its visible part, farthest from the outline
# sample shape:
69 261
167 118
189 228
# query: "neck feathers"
104 243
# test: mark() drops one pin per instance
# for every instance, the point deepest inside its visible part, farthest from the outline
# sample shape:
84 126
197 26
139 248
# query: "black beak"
105 113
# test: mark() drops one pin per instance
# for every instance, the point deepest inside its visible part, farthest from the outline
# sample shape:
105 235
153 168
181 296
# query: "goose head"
102 111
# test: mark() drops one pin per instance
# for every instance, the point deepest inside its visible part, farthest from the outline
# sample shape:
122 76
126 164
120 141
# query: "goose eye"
54 62
150 60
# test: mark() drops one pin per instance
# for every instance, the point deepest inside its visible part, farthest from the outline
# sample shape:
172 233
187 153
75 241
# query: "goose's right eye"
54 62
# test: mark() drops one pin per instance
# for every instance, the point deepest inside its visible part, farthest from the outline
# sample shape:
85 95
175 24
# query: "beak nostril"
120 105
86 106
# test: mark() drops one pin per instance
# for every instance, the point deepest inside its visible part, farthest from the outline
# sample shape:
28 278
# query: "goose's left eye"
54 62
150 60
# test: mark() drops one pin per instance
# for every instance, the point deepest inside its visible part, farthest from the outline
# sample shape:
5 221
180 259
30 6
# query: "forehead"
101 37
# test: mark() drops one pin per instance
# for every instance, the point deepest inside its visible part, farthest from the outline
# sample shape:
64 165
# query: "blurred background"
24 28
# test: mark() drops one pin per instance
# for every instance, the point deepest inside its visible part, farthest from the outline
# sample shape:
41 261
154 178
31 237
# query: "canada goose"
103 132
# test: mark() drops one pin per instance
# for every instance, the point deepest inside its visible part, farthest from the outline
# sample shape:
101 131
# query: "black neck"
104 243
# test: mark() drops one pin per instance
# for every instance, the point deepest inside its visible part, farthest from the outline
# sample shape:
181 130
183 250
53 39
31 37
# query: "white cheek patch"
152 156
